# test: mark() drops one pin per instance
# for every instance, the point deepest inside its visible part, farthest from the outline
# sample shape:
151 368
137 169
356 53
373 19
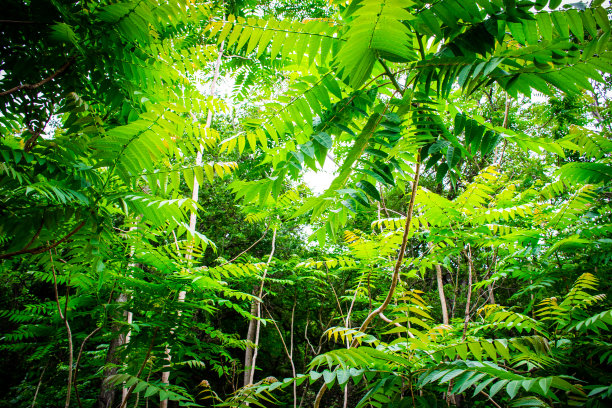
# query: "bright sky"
319 181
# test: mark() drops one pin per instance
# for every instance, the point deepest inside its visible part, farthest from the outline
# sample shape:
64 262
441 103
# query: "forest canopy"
327 203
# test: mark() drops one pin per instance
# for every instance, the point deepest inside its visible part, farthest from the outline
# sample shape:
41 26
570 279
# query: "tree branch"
468 255
37 233
60 71
249 248
42 248
400 257
76 365
20 22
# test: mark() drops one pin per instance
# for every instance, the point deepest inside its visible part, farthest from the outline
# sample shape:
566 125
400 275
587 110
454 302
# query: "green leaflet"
376 29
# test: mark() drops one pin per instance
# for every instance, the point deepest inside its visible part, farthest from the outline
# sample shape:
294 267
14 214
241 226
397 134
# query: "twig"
391 76
20 22
37 233
505 126
258 303
289 354
490 399
333 291
31 141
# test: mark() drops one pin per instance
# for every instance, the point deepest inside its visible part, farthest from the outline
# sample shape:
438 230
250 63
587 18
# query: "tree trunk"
441 294
64 316
379 311
491 294
107 391
193 216
257 322
468 255
39 384
250 338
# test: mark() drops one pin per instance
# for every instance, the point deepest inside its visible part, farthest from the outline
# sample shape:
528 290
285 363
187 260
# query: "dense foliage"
160 246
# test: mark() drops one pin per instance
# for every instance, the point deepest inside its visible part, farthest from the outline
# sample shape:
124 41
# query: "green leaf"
451 374
489 349
462 350
545 384
441 172
476 350
497 386
453 156
460 121
369 188
152 390
513 388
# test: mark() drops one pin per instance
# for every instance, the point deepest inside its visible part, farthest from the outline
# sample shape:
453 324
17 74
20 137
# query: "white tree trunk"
193 218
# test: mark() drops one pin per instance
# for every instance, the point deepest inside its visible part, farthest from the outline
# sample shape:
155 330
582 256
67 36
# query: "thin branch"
400 257
32 140
490 399
289 354
37 233
333 291
506 112
60 71
319 396
65 320
20 22
248 249
396 324
76 365
396 271
39 384
42 248
505 126
258 303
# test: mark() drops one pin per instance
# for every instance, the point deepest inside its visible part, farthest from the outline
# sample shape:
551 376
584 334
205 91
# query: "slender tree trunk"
491 294
248 353
76 365
455 290
379 311
288 350
193 216
129 318
251 368
441 294
142 366
468 255
107 391
64 317
39 384
505 126
400 258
